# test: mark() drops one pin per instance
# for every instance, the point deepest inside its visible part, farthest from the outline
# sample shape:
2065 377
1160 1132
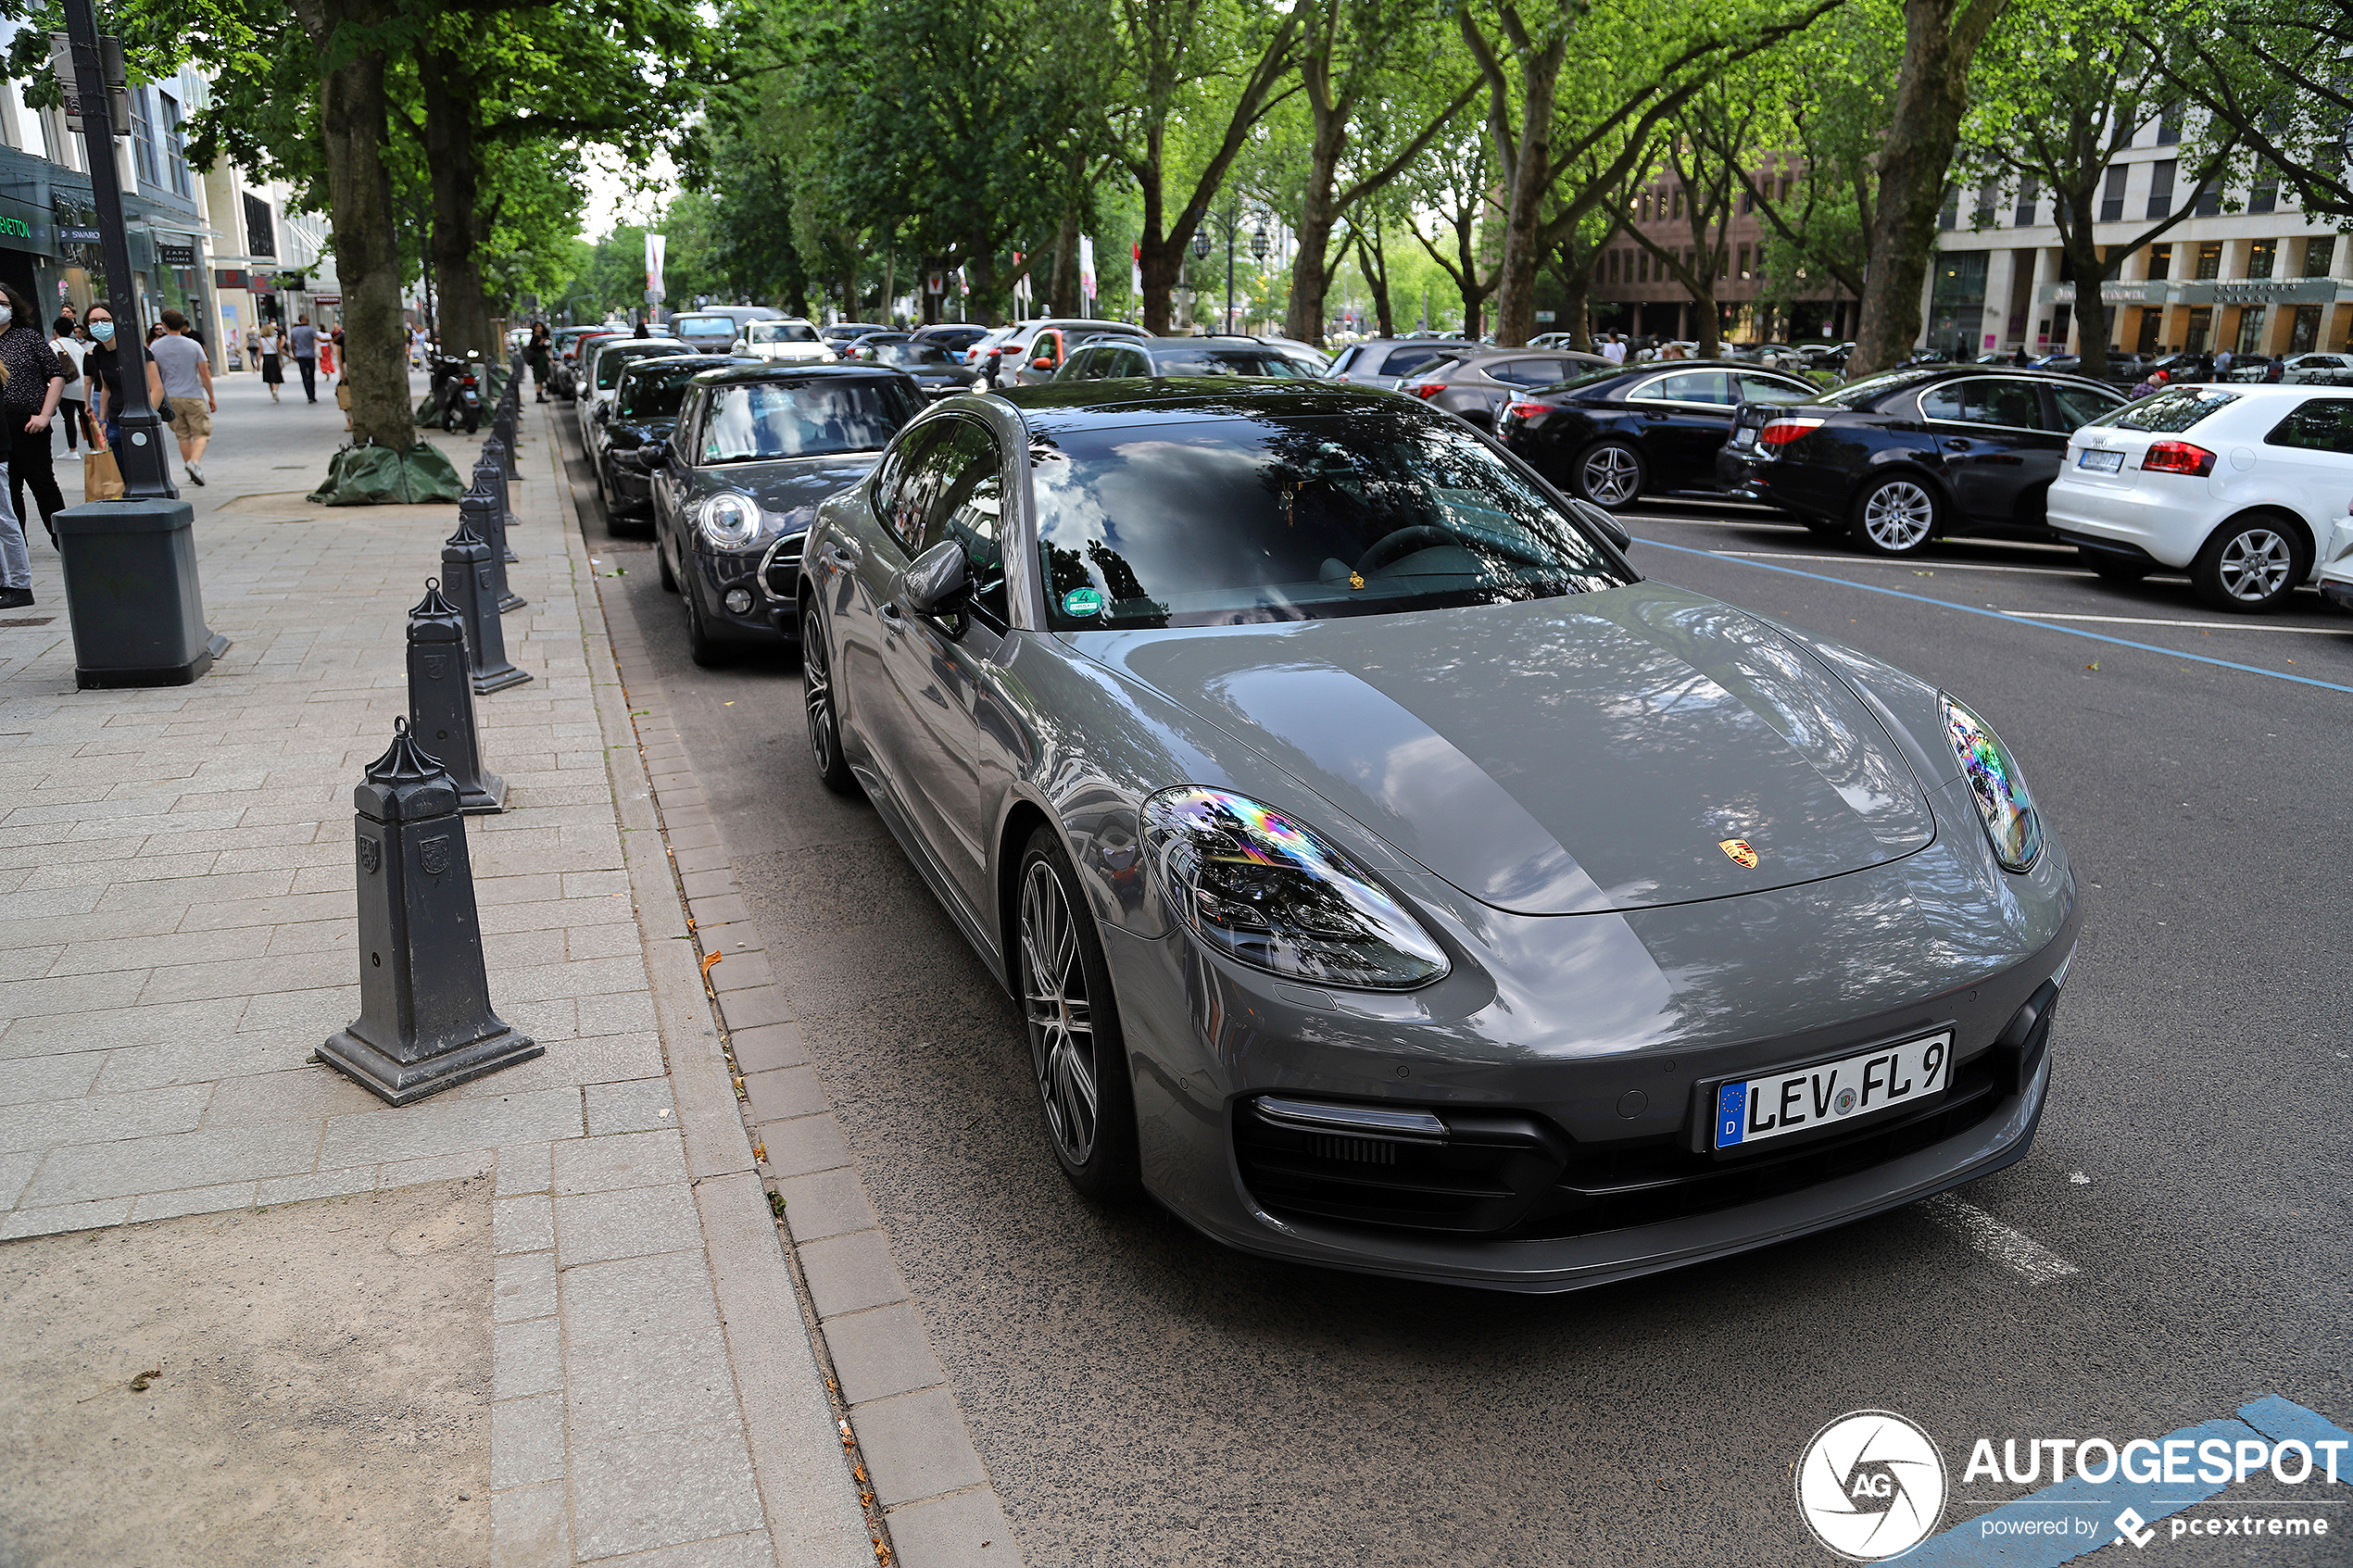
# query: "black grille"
780 568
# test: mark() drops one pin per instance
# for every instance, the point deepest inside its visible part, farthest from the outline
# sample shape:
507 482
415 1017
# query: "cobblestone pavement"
176 937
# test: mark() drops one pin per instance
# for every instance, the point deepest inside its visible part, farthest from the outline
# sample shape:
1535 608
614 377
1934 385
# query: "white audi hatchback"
2239 484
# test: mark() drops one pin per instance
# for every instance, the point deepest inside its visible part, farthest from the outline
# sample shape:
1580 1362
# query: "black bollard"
489 475
425 1022
441 702
478 509
467 566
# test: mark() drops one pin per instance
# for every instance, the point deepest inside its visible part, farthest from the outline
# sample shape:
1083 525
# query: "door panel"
1997 444
1683 418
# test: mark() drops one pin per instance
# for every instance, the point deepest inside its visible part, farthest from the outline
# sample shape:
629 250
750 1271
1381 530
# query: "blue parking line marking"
1995 1539
1998 615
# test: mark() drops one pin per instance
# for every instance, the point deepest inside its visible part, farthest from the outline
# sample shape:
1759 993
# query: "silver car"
1391 877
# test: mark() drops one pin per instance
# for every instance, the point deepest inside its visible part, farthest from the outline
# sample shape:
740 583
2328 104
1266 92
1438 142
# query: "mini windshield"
656 392
703 326
782 332
613 360
2173 410
909 355
1227 362
1226 522
757 422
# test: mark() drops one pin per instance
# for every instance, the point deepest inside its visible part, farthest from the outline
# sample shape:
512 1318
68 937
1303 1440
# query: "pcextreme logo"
1871 1485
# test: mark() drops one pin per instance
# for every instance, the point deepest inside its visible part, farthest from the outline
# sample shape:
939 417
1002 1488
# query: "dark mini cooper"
1614 436
1896 461
645 408
739 478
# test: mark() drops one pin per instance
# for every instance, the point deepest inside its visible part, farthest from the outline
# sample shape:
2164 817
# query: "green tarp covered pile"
379 476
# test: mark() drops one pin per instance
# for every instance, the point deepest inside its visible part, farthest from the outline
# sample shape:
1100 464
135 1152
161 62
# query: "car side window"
2013 403
1085 365
2322 424
2079 406
1689 386
1405 361
1346 355
899 496
1771 389
1527 372
961 480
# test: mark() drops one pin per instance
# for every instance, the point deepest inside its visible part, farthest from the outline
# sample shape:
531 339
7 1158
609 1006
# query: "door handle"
892 612
840 556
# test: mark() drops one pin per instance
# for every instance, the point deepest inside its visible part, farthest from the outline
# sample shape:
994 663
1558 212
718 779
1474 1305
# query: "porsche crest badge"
1739 850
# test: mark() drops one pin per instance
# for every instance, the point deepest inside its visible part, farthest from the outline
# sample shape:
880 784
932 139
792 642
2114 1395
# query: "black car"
841 335
937 368
735 483
1112 358
1614 434
1897 460
953 336
645 408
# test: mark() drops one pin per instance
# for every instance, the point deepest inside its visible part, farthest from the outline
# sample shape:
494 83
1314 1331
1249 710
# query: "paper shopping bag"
101 479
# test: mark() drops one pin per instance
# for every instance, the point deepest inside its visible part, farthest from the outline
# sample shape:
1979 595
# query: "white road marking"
2015 1250
2344 630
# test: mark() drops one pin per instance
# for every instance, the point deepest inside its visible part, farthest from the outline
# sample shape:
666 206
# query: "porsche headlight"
2002 800
729 520
1266 891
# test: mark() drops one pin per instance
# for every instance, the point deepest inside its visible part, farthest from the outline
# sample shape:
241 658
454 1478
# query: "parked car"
1614 434
565 369
1380 361
716 329
785 339
2257 368
600 368
841 335
1830 356
1112 358
2318 369
1477 385
2336 572
934 367
646 401
737 481
953 336
2239 484
1780 356
977 351
1899 460
1391 878
1015 360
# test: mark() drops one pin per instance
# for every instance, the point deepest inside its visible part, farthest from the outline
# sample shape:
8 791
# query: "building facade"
2245 272
1633 290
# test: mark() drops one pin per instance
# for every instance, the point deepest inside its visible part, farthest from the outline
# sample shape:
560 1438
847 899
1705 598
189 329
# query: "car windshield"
1870 389
703 326
782 332
655 392
1230 520
2173 410
1225 362
909 356
757 422
613 360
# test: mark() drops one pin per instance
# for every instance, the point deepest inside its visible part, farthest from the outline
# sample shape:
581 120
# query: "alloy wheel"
817 697
1899 516
1610 476
1061 1015
2255 565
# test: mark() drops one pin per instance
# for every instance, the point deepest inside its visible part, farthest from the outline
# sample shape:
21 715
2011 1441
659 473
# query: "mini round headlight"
2006 805
730 521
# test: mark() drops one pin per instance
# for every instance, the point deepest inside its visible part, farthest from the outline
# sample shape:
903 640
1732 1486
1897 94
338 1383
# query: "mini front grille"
780 568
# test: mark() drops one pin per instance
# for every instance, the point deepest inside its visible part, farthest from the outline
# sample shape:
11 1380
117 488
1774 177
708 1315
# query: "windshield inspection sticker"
1083 602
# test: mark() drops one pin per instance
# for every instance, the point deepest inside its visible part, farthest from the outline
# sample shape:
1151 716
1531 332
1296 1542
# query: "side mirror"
600 413
1041 363
654 454
1602 523
937 582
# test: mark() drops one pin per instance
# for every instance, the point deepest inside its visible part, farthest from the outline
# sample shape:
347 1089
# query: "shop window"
2161 262
2198 329
2162 187
2260 257
2251 319
2304 333
2209 258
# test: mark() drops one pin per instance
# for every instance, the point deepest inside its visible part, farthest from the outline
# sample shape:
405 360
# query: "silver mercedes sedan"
1393 878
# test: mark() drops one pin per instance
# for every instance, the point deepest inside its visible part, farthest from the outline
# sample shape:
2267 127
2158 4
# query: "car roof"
736 372
1067 405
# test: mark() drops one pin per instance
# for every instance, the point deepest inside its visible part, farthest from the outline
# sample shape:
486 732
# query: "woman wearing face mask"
103 365
28 402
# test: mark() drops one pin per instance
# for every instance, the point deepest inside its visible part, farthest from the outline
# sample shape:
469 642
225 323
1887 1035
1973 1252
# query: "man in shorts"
178 368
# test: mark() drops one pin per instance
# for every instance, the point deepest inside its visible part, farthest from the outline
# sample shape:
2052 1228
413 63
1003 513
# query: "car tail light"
1428 389
2178 456
1528 413
1780 432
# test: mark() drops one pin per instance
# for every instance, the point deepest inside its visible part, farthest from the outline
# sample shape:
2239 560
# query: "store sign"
2211 291
168 255
327 299
74 235
231 278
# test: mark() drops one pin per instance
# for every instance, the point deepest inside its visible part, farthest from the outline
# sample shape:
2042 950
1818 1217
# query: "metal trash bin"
132 596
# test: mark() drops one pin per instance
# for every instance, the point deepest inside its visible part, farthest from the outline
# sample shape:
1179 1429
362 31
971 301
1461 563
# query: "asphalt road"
1142 1397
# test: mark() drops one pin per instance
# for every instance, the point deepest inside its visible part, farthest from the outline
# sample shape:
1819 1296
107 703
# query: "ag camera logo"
1871 1486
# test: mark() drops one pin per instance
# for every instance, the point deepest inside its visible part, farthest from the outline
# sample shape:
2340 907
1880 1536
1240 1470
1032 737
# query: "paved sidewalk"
176 937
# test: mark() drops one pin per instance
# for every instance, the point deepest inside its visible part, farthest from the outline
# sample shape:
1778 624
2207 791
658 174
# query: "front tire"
1896 516
2250 564
707 651
1075 1048
818 702
1609 473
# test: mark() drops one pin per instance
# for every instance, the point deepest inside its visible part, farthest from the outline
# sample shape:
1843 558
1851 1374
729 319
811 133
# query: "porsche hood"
1624 749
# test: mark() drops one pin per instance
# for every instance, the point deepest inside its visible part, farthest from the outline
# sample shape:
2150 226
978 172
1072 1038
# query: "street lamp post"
1230 222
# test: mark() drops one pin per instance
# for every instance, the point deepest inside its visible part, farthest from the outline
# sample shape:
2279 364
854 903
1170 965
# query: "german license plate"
1749 1110
2099 461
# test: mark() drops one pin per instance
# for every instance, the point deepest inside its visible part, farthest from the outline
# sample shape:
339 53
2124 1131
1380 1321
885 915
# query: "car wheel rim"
2255 565
1898 516
817 696
1609 476
1061 1028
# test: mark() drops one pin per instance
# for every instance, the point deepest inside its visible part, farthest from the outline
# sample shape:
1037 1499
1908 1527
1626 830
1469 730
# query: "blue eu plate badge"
1731 1108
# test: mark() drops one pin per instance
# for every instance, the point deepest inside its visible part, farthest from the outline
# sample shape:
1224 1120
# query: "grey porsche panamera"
1390 876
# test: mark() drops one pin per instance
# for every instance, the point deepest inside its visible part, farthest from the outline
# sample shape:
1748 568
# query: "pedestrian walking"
327 355
178 370
270 350
542 344
28 402
103 367
73 406
2222 363
304 340
1614 349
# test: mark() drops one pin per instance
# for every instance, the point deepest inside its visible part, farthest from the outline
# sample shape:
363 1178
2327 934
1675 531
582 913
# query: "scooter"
457 383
